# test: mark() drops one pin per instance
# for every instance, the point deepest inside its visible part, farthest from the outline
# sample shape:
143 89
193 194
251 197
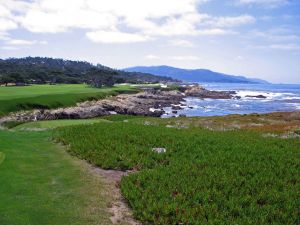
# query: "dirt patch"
120 212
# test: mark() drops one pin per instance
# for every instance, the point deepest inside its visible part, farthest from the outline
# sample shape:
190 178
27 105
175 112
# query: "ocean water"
280 97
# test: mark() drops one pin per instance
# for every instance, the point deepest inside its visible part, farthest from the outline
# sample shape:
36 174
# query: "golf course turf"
42 184
14 99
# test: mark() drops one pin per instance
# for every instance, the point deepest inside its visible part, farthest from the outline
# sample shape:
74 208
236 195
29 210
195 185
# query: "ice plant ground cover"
204 176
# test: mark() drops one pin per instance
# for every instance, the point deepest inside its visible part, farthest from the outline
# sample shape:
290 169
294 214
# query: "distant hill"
48 70
196 75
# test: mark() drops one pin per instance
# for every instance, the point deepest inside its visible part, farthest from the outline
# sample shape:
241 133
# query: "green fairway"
205 177
2 156
8 93
41 184
13 99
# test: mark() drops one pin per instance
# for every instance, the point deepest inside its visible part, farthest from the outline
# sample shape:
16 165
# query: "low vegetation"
205 177
14 99
11 124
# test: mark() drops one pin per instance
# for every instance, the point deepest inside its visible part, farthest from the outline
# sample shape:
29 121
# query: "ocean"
279 97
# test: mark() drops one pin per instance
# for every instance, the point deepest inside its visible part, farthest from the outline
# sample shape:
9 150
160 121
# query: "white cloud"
175 26
117 21
43 42
7 19
276 35
174 58
20 42
7 24
9 48
58 16
150 56
283 47
232 21
239 58
287 47
115 37
185 58
181 43
16 5
215 32
4 36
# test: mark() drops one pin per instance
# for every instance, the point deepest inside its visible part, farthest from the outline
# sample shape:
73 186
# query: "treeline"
40 70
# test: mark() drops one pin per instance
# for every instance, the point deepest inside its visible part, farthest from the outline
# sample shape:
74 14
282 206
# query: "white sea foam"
153 110
236 105
291 98
268 95
295 105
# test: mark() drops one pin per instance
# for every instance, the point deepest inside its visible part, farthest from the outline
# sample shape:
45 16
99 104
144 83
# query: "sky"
254 38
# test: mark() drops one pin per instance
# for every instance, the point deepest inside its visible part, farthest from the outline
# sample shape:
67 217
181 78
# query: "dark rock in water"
191 107
256 96
182 115
174 111
200 92
175 107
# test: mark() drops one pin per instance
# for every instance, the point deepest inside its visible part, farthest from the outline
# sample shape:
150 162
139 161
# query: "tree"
18 78
98 78
6 79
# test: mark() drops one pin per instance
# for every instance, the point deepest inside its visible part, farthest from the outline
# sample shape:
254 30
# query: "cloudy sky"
256 38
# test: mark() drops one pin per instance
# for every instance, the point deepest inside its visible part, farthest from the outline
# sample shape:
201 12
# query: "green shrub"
205 177
11 124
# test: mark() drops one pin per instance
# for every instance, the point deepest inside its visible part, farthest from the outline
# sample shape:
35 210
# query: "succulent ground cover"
204 177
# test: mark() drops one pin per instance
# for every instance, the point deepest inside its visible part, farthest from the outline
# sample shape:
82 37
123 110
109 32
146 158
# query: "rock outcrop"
200 92
147 103
144 103
256 96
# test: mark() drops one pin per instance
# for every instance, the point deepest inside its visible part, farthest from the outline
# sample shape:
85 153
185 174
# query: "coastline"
182 101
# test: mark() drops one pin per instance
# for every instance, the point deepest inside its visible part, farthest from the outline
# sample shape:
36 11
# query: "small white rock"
159 150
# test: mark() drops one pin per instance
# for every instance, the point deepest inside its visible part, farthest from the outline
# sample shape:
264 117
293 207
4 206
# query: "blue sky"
256 38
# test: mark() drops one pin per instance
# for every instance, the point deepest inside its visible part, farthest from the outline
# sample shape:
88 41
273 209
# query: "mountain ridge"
194 75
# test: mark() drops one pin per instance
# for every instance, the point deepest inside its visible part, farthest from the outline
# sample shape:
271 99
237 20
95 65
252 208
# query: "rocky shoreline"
147 103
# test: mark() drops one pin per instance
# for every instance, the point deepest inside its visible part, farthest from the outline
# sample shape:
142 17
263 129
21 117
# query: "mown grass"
2 156
14 99
205 177
41 184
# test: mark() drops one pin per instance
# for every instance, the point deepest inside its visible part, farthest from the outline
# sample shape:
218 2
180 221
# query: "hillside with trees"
40 70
